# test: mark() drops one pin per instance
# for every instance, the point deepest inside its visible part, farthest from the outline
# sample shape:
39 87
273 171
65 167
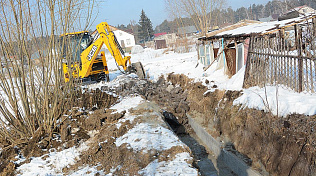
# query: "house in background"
230 45
125 39
164 40
230 50
297 12
187 31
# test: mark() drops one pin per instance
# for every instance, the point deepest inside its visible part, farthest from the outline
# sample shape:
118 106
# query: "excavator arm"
108 38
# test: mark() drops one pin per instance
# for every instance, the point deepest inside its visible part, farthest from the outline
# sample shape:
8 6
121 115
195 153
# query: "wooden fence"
285 58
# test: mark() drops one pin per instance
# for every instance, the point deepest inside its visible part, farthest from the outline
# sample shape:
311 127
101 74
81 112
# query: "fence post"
300 64
236 58
314 26
246 76
298 43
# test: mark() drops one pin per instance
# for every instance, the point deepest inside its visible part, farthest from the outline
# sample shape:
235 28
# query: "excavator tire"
139 70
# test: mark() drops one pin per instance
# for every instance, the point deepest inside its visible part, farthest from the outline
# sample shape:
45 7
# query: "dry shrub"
33 95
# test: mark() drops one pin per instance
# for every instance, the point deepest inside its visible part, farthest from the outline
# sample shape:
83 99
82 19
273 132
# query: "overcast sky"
123 11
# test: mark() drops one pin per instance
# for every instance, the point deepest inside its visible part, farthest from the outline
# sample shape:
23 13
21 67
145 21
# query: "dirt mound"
69 132
121 160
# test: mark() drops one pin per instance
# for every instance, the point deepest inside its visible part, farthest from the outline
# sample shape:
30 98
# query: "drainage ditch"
204 160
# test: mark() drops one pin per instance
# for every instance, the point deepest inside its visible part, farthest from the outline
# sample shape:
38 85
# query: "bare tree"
200 11
33 96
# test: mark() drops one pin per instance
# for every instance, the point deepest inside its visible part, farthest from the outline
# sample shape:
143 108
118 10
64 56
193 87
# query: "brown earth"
91 114
104 153
282 146
41 143
272 145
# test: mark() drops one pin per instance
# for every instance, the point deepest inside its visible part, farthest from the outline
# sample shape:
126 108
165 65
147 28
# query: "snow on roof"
246 28
298 9
233 26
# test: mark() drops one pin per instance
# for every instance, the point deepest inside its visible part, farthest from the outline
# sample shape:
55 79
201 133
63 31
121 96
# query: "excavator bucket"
138 69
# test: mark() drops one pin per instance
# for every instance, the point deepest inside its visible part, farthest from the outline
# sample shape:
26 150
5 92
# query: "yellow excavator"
86 63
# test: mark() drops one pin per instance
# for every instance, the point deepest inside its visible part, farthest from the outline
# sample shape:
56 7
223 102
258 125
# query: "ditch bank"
268 144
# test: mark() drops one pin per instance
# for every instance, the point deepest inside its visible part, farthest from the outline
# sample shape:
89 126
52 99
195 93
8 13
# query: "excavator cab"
73 44
76 43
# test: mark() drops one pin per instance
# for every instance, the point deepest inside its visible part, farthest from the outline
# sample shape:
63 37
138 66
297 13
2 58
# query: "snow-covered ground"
53 162
159 62
144 137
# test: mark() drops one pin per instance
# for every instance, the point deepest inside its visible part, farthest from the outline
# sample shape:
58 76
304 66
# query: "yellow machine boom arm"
107 37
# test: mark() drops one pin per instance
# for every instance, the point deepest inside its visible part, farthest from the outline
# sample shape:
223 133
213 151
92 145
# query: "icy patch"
128 103
53 163
88 171
178 166
287 102
146 137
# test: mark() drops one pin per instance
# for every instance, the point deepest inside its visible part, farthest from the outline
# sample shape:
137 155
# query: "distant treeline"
226 16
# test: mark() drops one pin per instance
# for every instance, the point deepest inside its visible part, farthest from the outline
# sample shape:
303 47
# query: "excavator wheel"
139 70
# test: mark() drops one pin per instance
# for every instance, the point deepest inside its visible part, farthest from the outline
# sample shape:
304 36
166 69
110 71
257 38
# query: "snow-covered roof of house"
301 9
232 27
258 28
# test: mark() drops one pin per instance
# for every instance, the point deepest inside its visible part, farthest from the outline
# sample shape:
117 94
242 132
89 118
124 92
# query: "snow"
145 137
128 103
162 62
129 117
54 163
262 27
137 49
287 102
88 170
164 168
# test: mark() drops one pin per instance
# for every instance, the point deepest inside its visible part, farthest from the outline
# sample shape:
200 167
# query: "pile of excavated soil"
270 144
106 155
69 132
